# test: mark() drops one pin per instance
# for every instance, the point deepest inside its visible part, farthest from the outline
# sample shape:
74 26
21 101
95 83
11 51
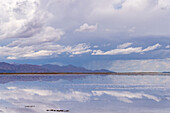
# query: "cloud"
118 51
36 94
132 29
151 65
99 12
37 54
164 4
23 49
47 34
10 88
123 50
125 96
39 28
168 46
111 15
125 45
87 28
21 97
118 5
126 100
41 99
95 46
26 21
22 19
150 48
80 49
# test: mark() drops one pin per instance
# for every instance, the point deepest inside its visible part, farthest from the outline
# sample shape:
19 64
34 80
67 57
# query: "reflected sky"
84 93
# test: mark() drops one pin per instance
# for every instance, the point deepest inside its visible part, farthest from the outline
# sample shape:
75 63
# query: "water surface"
84 94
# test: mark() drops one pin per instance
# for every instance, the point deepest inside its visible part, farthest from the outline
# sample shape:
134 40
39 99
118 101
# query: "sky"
119 35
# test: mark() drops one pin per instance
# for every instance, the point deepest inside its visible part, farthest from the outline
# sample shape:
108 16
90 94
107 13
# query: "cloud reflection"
97 94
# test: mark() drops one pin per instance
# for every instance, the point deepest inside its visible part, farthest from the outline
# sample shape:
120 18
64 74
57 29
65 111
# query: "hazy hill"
19 68
68 68
28 68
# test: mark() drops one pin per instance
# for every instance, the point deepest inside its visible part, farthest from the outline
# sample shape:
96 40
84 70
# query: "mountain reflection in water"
12 78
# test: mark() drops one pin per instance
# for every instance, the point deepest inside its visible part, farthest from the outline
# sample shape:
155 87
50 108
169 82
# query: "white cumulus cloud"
125 45
87 28
168 46
123 50
150 48
42 49
118 51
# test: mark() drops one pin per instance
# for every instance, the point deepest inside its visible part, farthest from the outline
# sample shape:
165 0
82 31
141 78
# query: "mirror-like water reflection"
84 94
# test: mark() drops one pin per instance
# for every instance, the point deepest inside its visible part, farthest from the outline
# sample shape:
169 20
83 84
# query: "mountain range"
47 68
